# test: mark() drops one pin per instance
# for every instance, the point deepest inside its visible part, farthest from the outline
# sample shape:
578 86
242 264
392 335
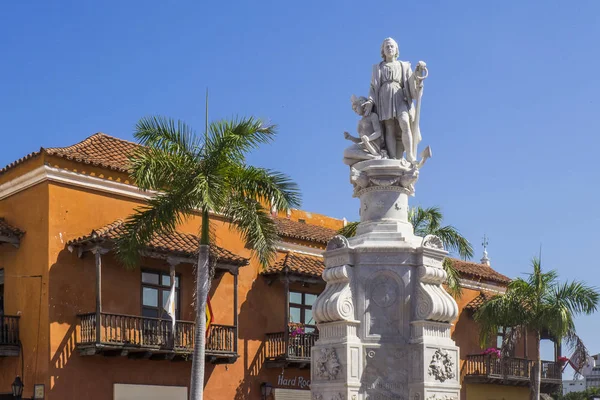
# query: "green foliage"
587 394
349 230
539 304
428 221
201 173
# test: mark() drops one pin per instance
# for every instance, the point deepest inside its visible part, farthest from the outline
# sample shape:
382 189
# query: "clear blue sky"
510 108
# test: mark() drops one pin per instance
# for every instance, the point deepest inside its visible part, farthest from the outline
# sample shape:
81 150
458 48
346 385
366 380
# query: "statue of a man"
393 89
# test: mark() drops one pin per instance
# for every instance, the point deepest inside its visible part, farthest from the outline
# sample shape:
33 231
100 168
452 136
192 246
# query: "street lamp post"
17 388
265 390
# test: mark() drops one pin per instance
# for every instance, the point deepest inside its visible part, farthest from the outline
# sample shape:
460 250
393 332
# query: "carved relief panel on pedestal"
385 374
384 304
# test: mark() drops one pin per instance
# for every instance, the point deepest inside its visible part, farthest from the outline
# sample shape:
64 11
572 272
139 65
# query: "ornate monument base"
384 319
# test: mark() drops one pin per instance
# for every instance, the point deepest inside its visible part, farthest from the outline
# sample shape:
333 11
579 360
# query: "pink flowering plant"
296 329
492 351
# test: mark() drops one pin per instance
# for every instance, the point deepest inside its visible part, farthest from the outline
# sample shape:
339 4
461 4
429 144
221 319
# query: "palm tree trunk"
202 288
537 370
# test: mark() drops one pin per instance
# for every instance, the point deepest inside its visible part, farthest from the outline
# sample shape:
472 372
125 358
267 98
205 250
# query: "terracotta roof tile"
99 150
177 243
479 272
300 230
478 301
8 230
20 160
299 264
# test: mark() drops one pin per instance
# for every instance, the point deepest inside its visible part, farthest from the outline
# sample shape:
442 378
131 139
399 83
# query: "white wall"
573 386
149 392
291 394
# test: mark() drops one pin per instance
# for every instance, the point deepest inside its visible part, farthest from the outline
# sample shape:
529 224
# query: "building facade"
76 323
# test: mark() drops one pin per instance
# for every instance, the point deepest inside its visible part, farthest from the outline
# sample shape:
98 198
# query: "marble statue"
369 144
384 318
394 87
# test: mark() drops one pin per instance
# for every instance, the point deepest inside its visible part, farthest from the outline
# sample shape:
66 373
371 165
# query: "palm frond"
267 186
577 297
255 225
228 141
162 214
454 241
349 230
425 220
153 168
168 135
452 279
500 311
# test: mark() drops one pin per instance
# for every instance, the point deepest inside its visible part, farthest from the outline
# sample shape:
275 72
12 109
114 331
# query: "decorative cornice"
298 248
53 174
474 285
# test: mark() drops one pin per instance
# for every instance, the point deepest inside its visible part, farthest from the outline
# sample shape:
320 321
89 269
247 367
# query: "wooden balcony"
293 352
9 336
152 338
510 371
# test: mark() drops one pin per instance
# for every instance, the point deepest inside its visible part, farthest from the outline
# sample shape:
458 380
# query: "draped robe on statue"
393 88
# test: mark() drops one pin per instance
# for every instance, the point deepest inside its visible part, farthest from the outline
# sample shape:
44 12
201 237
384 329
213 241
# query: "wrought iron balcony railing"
296 350
9 336
514 371
136 334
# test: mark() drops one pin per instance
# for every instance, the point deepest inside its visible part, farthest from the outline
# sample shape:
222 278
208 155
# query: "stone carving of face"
389 49
358 105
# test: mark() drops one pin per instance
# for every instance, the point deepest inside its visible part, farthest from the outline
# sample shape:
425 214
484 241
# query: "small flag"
209 315
170 306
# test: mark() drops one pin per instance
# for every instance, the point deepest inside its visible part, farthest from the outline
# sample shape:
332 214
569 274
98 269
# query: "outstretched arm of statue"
351 138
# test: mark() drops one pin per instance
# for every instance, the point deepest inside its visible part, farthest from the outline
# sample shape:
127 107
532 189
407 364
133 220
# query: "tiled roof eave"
91 162
485 280
281 273
20 161
303 238
84 244
9 234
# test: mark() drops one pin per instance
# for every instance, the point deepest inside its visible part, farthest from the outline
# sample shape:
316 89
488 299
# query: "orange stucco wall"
75 212
26 286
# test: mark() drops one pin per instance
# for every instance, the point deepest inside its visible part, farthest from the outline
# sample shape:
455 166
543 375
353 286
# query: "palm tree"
428 221
539 304
210 175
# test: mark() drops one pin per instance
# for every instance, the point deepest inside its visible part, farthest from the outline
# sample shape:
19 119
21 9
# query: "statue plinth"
384 318
383 187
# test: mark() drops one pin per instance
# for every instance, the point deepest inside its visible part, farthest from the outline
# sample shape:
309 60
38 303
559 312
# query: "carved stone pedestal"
384 319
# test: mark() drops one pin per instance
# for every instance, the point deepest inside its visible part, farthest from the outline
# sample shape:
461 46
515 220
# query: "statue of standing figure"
394 87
